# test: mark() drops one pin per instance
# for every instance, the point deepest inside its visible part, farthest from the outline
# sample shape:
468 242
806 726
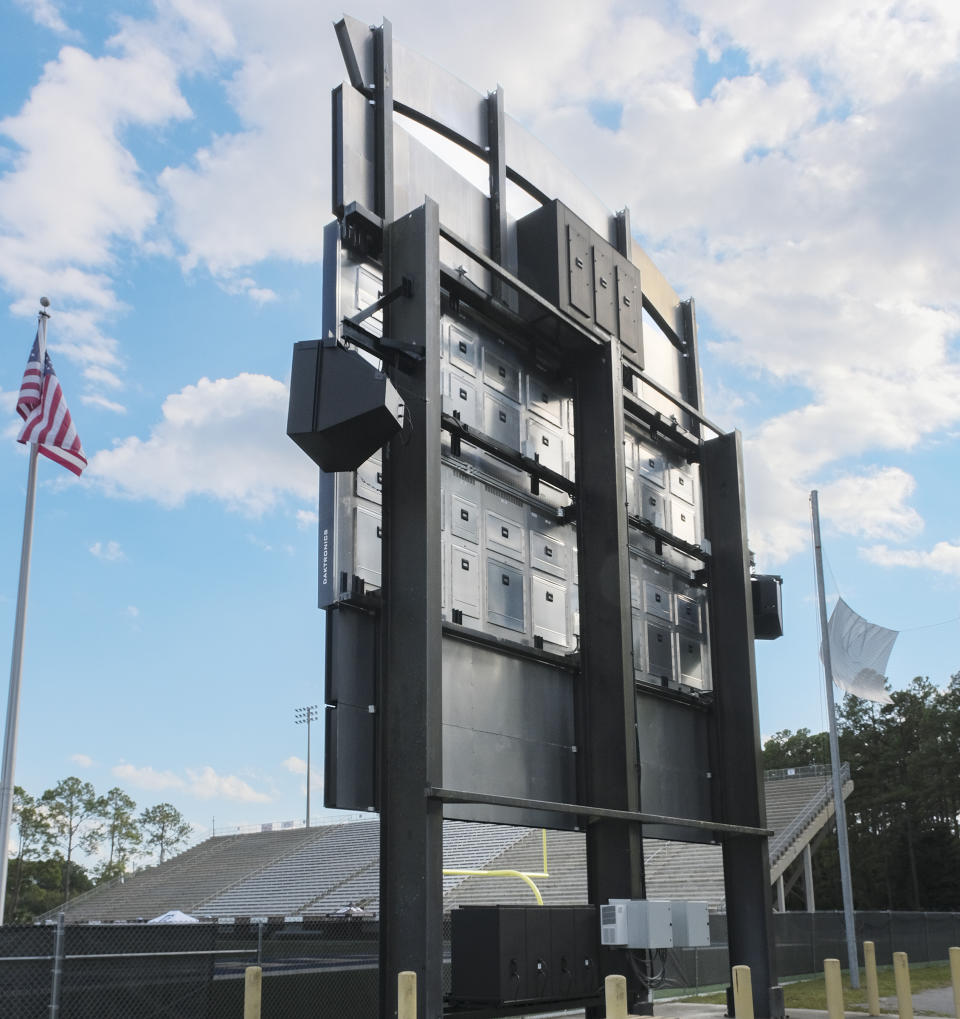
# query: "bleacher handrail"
782 840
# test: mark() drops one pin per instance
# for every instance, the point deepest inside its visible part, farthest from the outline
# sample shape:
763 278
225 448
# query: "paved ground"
937 1002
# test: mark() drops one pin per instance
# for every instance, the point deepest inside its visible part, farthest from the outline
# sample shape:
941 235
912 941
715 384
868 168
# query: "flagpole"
840 812
16 664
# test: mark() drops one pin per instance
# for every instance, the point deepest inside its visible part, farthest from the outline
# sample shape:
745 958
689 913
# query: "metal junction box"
637 923
691 924
582 273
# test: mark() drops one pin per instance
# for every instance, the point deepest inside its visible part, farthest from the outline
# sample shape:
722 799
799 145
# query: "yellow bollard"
742 993
407 995
955 974
252 986
615 992
901 976
831 976
870 968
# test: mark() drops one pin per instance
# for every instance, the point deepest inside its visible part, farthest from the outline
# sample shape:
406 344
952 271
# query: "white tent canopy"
174 916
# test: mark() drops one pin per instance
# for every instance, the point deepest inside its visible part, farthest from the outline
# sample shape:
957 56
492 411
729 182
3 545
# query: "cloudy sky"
164 179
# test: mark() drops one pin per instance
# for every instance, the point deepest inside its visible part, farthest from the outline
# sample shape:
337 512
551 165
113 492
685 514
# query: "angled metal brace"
405 289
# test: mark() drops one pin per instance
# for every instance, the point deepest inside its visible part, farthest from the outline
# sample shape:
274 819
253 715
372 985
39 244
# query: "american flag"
46 419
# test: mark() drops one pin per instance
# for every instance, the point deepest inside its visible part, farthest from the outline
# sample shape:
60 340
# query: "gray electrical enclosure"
533 548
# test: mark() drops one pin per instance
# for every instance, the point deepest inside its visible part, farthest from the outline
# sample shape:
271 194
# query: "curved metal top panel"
428 93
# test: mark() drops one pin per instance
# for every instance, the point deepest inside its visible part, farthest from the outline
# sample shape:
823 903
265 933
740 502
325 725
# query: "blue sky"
164 180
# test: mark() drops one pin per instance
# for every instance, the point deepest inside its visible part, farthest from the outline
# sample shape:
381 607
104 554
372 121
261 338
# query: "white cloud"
110 551
295 765
872 505
224 438
82 759
307 519
944 557
45 14
207 784
147 777
133 612
103 403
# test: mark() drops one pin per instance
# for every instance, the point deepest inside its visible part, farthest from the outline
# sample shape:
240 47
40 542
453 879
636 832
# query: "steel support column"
411 826
607 771
738 779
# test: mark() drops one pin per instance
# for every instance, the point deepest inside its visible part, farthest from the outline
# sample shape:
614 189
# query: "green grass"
810 992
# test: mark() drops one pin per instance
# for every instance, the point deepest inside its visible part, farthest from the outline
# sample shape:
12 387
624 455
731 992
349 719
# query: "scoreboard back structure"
533 547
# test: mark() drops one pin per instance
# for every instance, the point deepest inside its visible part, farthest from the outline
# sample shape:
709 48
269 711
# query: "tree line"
71 817
903 816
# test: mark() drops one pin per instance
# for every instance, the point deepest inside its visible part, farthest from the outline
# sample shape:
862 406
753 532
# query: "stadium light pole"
302 716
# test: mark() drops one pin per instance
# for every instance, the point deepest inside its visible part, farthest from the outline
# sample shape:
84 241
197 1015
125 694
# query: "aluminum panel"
505 536
650 463
367 555
465 581
505 596
659 652
501 421
500 374
545 445
689 614
633 493
369 480
682 484
652 506
683 522
628 309
543 400
549 611
464 519
657 600
461 400
691 659
464 348
548 553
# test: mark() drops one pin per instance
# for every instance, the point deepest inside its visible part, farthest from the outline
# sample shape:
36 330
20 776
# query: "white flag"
859 652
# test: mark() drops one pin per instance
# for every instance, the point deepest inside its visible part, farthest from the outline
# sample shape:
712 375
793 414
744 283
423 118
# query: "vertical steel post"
411 826
383 119
496 154
56 974
738 780
607 765
840 810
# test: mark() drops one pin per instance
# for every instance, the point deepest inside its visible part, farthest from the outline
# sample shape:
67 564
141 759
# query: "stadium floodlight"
301 716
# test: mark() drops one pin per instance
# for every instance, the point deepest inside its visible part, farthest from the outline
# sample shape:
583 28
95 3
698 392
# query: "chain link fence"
328 966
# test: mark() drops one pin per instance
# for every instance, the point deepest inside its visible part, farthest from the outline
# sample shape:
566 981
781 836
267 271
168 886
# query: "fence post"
742 993
955 975
252 988
831 977
615 993
56 974
901 976
870 969
407 995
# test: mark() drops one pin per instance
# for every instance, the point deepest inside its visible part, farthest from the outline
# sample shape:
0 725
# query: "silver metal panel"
548 553
504 535
691 658
464 519
464 348
501 420
370 480
545 445
461 399
633 493
505 602
499 373
657 600
659 652
639 629
650 463
465 581
549 611
367 557
357 142
652 506
683 521
682 484
543 400
689 614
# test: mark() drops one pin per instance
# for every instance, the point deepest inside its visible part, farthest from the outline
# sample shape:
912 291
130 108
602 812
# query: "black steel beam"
607 766
736 764
411 826
497 157
383 119
598 813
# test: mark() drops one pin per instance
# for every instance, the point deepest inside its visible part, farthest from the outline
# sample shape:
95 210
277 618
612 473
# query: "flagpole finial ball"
44 302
